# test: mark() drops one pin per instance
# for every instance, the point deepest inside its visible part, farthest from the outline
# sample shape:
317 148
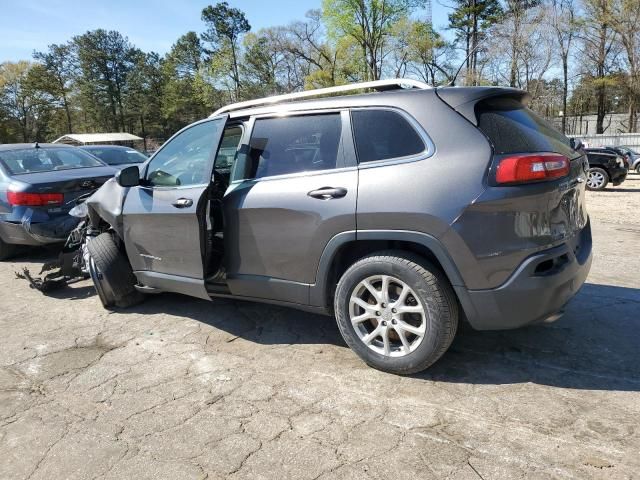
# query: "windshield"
630 150
30 160
118 156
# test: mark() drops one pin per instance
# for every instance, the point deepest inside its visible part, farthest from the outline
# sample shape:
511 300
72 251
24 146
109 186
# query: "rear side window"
31 160
285 145
384 134
513 128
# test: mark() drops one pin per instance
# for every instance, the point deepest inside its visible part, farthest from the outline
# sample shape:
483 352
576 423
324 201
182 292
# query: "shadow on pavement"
616 189
594 346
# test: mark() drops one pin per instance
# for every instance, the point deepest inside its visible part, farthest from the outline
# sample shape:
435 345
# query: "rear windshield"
30 160
118 156
513 128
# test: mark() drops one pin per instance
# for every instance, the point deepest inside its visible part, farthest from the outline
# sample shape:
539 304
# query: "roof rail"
380 85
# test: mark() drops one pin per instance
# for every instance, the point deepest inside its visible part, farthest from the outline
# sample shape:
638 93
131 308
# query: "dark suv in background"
399 212
606 165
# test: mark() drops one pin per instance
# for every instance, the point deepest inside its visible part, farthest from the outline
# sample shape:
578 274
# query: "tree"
225 28
369 23
516 11
599 52
23 99
59 62
470 20
429 54
144 95
564 24
186 93
105 61
625 21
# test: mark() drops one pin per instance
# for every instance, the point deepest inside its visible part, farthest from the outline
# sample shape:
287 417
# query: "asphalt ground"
180 388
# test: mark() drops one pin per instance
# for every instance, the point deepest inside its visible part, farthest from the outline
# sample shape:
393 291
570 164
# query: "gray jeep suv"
399 211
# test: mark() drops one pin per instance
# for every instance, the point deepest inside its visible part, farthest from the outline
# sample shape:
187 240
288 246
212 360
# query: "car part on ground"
272 216
68 268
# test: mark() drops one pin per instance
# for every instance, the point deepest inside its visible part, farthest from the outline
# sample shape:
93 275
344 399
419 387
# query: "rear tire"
415 320
597 179
7 250
111 273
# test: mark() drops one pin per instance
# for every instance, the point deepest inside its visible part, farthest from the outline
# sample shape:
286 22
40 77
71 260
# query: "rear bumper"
618 175
536 291
26 233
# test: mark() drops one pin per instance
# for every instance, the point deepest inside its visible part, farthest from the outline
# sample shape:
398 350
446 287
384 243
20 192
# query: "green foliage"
99 81
368 23
225 26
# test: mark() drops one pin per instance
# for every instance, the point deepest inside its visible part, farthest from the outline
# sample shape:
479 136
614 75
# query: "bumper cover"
618 175
55 230
536 291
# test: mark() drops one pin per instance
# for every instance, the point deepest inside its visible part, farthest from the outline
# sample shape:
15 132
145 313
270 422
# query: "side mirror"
128 177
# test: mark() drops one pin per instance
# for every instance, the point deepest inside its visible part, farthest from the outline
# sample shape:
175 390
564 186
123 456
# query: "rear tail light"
527 168
34 199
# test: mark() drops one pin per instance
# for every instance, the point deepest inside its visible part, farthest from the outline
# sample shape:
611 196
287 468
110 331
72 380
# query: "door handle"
183 203
325 193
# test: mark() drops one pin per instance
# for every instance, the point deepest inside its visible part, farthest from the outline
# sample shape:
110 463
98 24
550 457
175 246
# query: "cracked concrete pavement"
180 388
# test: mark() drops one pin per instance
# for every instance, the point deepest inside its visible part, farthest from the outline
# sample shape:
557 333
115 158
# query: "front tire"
597 179
111 273
396 311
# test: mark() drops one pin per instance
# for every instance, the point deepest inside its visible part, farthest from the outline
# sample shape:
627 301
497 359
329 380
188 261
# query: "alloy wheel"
387 315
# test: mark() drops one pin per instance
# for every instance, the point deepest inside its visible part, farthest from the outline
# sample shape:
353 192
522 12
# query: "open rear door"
165 218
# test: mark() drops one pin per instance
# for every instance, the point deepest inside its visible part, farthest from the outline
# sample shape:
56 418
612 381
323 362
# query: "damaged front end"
94 213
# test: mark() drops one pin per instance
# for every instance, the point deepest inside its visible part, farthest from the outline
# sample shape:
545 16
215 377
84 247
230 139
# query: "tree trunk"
68 113
565 90
600 90
474 45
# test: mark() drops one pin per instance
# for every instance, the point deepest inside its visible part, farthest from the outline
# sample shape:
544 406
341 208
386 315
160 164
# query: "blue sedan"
38 186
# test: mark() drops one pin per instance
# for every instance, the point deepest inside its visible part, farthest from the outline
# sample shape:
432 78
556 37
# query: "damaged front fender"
106 204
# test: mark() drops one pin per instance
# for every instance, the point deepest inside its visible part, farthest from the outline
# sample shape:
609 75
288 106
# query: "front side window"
186 159
285 145
384 134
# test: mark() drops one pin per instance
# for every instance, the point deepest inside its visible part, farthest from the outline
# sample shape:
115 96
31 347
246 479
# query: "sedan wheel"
597 179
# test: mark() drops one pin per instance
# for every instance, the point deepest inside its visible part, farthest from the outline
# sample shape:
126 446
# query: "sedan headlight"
620 162
79 211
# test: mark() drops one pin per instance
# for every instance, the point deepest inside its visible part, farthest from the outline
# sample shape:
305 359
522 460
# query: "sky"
151 25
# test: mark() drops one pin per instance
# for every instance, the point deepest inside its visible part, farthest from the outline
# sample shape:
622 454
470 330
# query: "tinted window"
383 134
46 159
513 128
185 160
279 146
